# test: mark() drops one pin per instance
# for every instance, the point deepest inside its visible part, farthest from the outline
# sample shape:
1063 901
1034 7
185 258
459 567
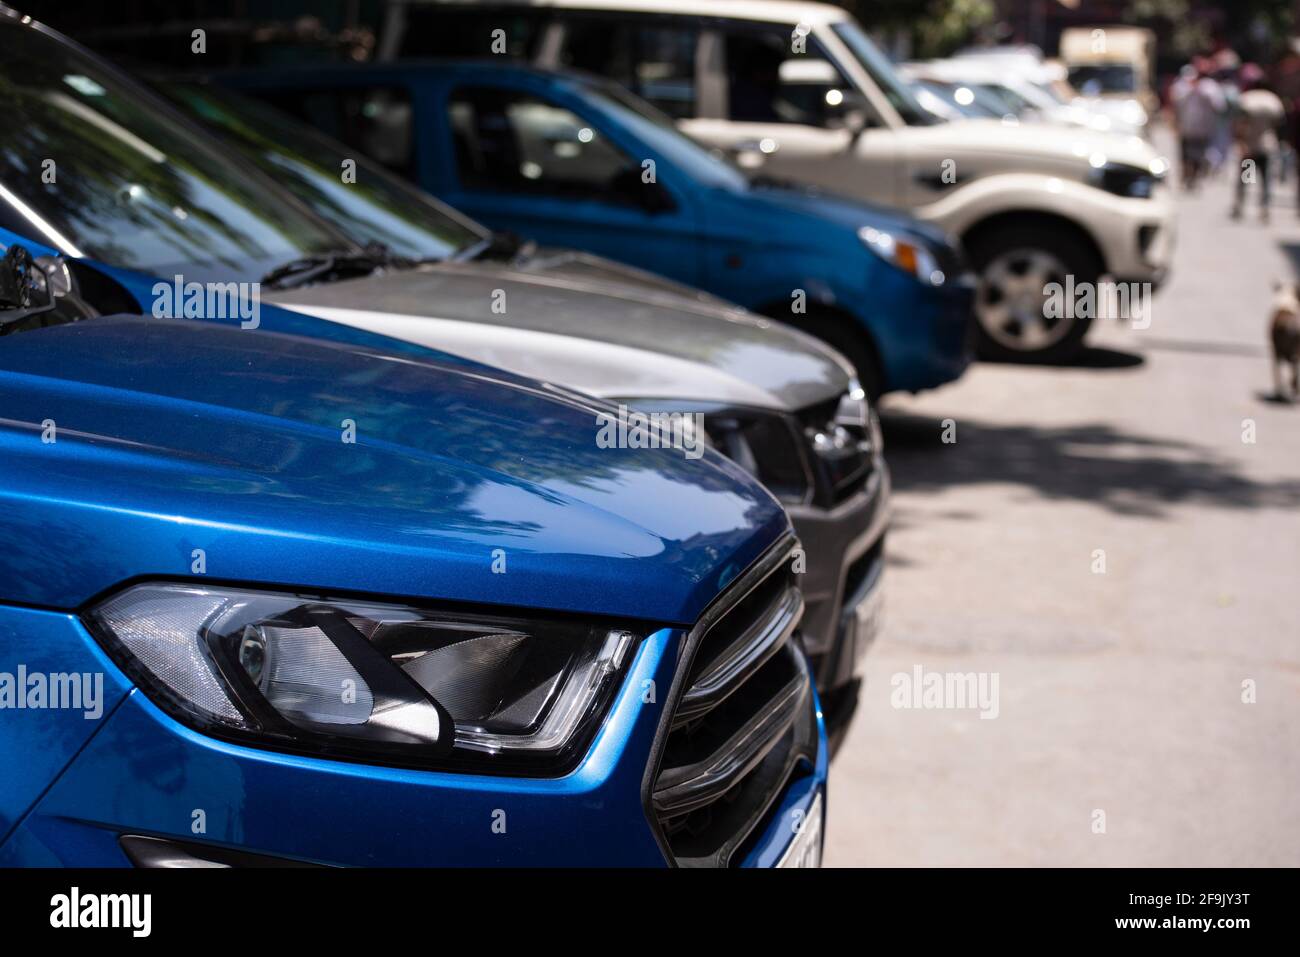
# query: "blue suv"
302 594
576 161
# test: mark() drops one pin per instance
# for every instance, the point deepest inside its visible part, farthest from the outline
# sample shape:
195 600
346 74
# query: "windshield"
93 164
659 131
1014 103
883 74
1094 79
963 99
378 207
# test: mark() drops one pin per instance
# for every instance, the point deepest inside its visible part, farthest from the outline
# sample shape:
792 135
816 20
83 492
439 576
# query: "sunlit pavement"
1119 692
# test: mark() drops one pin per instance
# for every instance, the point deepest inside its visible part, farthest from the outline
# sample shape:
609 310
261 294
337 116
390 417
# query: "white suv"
800 90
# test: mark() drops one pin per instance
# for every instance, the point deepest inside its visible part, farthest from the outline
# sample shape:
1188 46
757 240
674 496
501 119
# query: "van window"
1094 79
516 142
377 120
653 59
769 83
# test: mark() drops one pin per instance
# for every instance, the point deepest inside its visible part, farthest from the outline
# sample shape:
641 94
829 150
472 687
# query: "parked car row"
348 495
799 91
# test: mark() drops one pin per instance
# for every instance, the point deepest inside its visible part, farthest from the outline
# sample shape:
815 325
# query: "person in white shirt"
1258 116
1198 103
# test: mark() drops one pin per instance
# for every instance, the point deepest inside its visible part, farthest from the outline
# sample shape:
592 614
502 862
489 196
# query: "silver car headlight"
386 683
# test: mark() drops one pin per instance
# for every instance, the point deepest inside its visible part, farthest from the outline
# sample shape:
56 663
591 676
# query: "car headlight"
385 683
1124 180
905 253
856 410
853 408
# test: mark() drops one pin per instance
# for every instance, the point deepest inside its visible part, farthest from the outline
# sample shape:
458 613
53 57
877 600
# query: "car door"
538 165
785 110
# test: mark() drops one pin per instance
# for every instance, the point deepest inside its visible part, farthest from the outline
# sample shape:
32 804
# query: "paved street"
1121 691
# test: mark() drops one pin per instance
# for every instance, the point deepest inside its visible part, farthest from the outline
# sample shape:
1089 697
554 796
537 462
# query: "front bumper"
1137 236
842 586
142 773
923 333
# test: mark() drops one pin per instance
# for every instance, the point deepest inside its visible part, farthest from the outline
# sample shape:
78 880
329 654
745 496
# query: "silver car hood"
589 324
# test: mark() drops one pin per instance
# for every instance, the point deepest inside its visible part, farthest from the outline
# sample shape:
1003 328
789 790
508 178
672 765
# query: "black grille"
764 445
743 724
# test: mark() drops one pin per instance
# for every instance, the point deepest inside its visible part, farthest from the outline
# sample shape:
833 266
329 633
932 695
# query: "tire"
1015 262
842 333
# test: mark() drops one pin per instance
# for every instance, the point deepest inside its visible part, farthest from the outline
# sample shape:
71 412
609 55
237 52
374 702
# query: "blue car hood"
134 447
822 207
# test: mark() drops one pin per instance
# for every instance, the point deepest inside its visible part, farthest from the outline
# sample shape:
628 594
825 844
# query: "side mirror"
656 199
24 286
853 120
628 187
847 110
30 287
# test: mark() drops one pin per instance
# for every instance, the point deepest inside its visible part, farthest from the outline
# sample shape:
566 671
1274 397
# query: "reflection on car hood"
172 436
588 324
1029 140
849 212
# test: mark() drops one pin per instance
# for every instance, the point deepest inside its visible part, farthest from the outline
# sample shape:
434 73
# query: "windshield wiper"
331 267
499 247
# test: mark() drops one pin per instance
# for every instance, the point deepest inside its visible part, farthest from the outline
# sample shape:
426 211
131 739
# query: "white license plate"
806 848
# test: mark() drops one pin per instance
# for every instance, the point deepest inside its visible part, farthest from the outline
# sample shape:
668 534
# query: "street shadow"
1127 473
1206 347
1089 357
1276 398
1292 253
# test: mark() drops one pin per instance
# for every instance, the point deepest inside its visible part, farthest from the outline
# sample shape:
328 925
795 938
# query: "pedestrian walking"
1258 116
1198 103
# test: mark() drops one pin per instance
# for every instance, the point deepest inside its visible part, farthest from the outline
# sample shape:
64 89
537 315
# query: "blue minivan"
256 581
576 161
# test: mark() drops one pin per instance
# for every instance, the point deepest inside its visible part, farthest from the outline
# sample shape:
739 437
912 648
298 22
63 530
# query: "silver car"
778 402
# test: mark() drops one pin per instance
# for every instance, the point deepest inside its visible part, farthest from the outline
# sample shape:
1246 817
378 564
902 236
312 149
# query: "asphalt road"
1119 691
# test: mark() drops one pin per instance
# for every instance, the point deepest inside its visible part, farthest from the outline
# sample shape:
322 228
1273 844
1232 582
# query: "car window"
963 99
769 82
95 165
654 60
442 31
377 207
1017 103
506 140
883 74
377 120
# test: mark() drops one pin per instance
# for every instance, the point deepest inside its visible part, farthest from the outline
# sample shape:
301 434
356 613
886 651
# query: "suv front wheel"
1017 266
